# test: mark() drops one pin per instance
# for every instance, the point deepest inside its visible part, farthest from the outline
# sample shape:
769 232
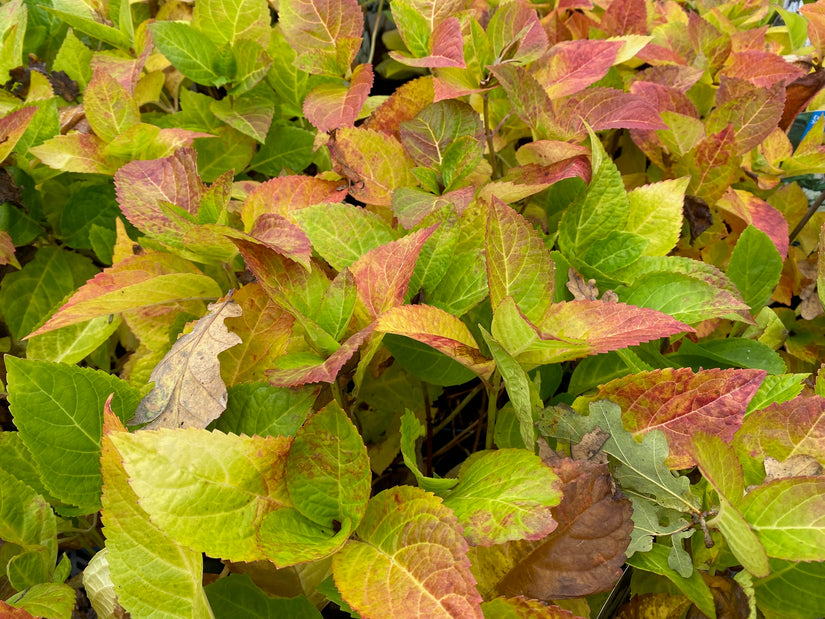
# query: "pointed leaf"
518 263
411 431
325 34
12 128
515 29
439 329
505 495
604 108
58 411
787 516
190 51
391 570
375 164
572 66
45 599
382 275
207 490
753 110
758 213
328 470
76 152
787 578
264 329
428 136
655 213
446 45
110 108
761 68
755 267
282 195
331 106
711 165
188 389
250 115
681 402
342 233
227 21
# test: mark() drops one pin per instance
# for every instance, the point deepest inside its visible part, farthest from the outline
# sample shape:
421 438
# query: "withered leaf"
189 391
585 554
798 94
580 289
729 598
698 216
800 465
591 446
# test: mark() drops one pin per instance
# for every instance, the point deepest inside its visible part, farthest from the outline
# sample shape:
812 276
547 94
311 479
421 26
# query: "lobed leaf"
410 558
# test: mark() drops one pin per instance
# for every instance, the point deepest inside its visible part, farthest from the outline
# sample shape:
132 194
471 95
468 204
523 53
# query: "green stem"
489 134
492 409
375 29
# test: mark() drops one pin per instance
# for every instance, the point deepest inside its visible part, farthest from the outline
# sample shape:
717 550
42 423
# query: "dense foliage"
524 335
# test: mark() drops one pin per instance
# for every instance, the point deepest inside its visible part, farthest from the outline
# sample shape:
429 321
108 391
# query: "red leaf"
286 238
329 106
142 185
585 554
12 612
12 128
324 371
785 429
281 195
403 104
410 205
625 17
680 402
762 69
606 108
707 41
527 98
606 326
447 48
757 212
7 250
659 54
383 274
752 110
527 180
711 165
515 32
665 98
572 66
679 77
798 95
815 14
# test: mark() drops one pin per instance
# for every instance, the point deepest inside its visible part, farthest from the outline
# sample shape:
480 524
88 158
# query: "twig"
489 134
375 28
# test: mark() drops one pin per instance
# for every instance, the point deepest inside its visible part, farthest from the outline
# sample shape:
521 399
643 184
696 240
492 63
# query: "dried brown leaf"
800 465
580 289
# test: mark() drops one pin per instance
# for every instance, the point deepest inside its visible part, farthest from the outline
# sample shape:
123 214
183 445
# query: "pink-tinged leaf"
143 185
7 250
815 14
665 98
383 274
76 152
283 194
447 48
410 560
711 165
625 17
515 33
710 46
325 34
527 180
660 54
110 109
680 402
605 108
126 71
264 329
411 205
547 152
754 111
330 106
763 69
439 329
781 431
524 608
518 263
428 136
138 281
303 368
755 211
403 104
572 66
375 164
527 97
12 128
283 236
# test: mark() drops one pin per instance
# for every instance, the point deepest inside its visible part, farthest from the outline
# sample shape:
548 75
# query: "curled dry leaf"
580 289
189 391
800 465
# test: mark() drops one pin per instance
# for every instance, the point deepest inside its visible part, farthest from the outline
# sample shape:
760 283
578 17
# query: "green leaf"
695 588
207 490
641 467
522 392
755 267
251 65
22 228
342 233
110 108
27 520
518 263
286 147
107 34
16 459
228 150
411 431
426 363
27 296
735 352
651 520
618 249
413 27
58 410
263 410
776 389
73 343
46 599
387 572
328 470
787 516
721 468
287 538
291 83
250 115
797 581
337 305
151 572
191 52
44 125
94 204
656 214
226 21
237 596
504 495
